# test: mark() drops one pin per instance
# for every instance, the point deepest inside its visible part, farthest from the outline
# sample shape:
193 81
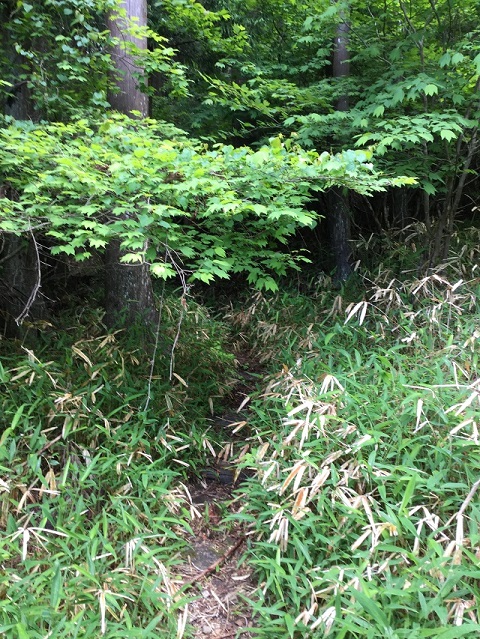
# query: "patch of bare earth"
213 570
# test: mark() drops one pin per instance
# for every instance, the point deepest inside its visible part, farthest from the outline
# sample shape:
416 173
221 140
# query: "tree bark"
338 219
341 63
19 104
127 96
338 216
128 288
128 291
20 264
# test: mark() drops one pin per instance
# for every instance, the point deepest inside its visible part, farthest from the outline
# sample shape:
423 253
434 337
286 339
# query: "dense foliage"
367 458
174 202
413 94
359 398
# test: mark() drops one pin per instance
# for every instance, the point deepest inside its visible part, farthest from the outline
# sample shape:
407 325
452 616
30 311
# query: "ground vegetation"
239 284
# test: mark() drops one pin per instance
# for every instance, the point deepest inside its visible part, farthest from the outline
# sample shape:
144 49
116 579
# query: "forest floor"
213 567
353 420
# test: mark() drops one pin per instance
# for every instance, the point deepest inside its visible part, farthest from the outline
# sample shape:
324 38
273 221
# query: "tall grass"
93 514
364 516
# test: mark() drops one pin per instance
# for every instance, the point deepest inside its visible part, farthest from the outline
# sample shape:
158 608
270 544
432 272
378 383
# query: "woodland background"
266 207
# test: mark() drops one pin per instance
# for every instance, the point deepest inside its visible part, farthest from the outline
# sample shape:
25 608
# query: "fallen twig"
215 564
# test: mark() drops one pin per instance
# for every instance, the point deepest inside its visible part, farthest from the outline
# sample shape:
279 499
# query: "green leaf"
476 62
409 490
364 139
447 134
328 338
276 144
465 630
372 608
445 59
22 631
17 416
56 586
398 96
429 188
161 270
431 89
457 58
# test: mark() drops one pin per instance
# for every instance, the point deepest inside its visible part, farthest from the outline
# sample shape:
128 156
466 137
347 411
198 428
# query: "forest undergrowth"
361 437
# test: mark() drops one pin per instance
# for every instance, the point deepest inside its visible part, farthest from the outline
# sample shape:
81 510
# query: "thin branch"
183 301
11 255
155 347
36 287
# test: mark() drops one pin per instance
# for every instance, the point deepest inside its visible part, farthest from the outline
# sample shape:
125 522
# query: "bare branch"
33 295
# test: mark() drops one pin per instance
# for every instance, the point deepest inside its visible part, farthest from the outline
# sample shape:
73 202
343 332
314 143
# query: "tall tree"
127 27
128 287
338 215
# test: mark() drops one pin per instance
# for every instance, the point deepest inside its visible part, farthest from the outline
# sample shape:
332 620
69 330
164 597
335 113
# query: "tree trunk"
128 288
128 291
128 97
341 63
19 104
338 216
338 219
20 263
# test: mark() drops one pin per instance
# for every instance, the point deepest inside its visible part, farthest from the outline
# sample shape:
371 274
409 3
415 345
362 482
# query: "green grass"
93 516
363 516
365 513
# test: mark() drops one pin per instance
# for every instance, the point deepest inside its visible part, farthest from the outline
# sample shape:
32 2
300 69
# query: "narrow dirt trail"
213 567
